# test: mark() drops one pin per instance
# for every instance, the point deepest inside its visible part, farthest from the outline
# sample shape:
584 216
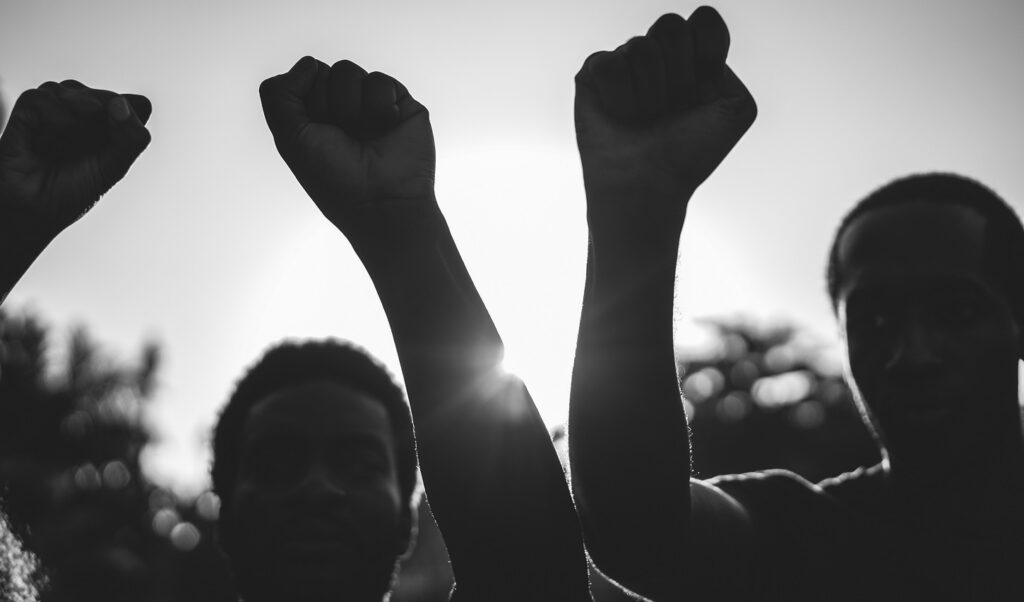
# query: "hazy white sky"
211 247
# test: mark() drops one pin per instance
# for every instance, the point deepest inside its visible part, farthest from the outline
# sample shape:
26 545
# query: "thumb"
21 124
129 137
587 109
734 100
140 106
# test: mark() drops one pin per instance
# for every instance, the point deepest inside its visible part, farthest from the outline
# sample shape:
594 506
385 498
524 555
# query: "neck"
265 596
982 480
291 598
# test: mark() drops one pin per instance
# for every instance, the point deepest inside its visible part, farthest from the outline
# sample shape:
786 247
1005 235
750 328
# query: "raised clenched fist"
655 116
65 145
359 144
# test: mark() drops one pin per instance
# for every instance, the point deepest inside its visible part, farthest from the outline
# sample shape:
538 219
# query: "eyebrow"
940 287
269 438
360 440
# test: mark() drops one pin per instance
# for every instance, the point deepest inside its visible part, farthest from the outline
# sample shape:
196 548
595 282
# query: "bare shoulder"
773 482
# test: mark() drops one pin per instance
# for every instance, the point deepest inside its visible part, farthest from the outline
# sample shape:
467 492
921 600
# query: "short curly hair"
290 363
1004 238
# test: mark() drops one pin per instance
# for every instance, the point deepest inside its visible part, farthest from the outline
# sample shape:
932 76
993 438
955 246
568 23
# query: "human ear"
408 528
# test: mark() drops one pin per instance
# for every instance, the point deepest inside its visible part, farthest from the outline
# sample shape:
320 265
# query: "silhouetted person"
363 149
925 277
315 465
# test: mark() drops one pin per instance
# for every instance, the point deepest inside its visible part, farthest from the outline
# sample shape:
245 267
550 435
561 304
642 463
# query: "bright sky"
211 247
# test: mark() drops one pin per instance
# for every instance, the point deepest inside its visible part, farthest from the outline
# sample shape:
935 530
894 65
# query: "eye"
275 465
363 462
879 320
874 318
958 312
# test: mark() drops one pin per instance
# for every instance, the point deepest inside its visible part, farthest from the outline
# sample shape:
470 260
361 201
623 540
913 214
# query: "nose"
914 348
320 484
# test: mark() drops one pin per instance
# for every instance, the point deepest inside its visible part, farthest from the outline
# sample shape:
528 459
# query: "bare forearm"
19 248
492 476
628 439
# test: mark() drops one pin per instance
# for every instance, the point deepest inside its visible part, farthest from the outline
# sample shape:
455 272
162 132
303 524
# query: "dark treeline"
72 428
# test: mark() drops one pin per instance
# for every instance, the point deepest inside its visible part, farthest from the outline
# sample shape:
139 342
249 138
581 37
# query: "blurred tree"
762 396
18 569
768 396
71 434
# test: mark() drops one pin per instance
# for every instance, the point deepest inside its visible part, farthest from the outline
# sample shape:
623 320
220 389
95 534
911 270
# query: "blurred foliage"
19 579
71 432
769 396
763 396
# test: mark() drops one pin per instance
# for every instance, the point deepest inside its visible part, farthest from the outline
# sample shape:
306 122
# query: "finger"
81 101
284 98
673 34
647 70
53 111
56 131
346 95
141 106
380 103
21 125
318 100
735 98
587 107
129 137
609 72
710 43
408 107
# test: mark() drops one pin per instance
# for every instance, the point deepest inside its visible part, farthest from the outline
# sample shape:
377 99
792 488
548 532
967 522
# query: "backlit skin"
317 513
932 344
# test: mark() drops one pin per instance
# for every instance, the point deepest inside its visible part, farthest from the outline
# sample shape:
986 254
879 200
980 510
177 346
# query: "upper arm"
719 539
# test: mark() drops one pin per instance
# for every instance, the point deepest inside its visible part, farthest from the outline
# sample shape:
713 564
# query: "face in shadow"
932 343
317 512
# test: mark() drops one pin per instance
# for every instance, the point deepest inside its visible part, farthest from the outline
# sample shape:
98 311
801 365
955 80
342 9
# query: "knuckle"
27 97
268 86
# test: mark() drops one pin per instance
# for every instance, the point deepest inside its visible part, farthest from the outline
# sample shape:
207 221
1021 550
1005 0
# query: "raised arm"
64 146
653 119
363 149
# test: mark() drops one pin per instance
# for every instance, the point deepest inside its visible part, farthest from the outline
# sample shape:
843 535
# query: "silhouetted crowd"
316 452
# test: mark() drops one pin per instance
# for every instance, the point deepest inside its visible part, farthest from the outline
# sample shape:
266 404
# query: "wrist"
388 231
635 227
640 202
20 245
22 234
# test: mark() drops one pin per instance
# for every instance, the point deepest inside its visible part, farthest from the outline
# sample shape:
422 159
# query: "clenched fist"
359 144
656 116
66 145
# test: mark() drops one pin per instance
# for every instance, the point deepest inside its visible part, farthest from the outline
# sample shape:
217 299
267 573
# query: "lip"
923 398
318 528
930 414
315 546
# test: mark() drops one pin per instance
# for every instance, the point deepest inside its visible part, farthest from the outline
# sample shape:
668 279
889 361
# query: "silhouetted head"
314 462
926 277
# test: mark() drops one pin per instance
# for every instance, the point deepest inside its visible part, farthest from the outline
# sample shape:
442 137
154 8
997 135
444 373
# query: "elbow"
656 582
642 560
